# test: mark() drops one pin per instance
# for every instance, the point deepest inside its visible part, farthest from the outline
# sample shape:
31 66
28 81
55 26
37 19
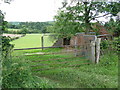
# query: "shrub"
14 73
106 44
6 47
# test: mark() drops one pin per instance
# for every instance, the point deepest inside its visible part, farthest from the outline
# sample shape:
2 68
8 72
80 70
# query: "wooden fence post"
42 42
97 49
93 49
76 53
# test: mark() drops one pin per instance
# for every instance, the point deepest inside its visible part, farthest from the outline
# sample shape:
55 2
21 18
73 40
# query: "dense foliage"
113 27
66 25
79 16
6 47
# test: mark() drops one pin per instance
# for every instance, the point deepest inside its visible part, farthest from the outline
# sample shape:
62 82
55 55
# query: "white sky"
31 10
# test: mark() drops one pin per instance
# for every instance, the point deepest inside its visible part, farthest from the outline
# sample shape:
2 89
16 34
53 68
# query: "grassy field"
13 29
53 73
32 41
102 75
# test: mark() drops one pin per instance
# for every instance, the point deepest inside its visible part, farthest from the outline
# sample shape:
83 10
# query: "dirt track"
12 35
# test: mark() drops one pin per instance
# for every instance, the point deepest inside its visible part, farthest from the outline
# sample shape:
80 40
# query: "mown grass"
32 41
102 75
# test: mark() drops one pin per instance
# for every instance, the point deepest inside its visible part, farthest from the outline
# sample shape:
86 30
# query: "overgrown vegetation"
102 75
108 45
17 74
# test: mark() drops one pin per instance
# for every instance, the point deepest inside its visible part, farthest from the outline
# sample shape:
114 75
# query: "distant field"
32 41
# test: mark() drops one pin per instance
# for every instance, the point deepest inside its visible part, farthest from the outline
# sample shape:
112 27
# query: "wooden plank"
42 42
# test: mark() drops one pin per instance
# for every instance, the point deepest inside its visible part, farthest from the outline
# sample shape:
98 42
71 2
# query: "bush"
16 74
106 44
6 47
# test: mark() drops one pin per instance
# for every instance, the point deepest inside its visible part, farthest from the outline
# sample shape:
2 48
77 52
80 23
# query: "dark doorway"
66 41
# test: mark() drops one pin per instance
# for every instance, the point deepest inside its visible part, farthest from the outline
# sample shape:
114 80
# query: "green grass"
32 41
102 75
57 75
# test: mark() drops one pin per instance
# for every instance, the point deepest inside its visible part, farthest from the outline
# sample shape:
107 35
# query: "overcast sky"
31 10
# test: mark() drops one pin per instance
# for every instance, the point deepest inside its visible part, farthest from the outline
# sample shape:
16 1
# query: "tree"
113 27
68 26
113 8
81 15
31 27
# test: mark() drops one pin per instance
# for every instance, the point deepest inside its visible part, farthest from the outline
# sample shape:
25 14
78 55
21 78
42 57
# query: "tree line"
28 27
